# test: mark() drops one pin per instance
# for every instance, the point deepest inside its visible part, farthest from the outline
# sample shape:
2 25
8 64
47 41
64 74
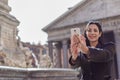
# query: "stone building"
105 11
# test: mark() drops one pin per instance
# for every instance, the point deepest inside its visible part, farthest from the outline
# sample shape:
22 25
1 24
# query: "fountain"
16 61
14 73
45 61
35 59
10 52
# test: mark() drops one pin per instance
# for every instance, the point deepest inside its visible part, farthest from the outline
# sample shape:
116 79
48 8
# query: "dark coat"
98 65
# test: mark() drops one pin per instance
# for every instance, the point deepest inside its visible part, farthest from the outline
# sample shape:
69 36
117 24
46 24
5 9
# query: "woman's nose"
92 32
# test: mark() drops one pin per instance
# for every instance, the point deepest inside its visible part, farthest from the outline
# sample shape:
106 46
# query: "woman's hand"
74 46
78 44
82 44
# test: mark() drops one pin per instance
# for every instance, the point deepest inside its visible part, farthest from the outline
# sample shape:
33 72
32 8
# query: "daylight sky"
36 14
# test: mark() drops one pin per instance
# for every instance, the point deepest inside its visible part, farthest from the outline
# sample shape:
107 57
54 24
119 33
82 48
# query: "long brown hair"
100 40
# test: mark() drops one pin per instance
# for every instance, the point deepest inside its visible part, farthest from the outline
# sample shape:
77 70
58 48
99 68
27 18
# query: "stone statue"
45 61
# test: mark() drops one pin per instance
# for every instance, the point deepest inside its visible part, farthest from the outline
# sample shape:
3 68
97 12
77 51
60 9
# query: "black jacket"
98 65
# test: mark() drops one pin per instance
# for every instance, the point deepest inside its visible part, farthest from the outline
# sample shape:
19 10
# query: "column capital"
58 45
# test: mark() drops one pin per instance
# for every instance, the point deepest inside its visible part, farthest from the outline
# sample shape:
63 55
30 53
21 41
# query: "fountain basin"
14 73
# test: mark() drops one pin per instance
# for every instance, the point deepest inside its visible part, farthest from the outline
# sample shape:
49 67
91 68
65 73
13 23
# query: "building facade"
105 11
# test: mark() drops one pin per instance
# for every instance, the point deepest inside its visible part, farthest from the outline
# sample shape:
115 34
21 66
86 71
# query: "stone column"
117 41
50 46
58 55
65 53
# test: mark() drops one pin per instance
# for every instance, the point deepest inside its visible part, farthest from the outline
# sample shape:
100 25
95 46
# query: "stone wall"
13 73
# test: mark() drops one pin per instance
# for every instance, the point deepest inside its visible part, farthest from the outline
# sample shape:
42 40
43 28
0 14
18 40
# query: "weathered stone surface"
45 61
13 73
4 6
11 51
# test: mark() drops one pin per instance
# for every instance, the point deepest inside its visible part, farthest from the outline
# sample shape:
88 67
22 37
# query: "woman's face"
93 33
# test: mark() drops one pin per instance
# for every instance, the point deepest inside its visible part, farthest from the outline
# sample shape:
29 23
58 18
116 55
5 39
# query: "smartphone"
75 31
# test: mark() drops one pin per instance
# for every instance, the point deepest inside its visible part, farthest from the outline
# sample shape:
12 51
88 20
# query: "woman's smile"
93 33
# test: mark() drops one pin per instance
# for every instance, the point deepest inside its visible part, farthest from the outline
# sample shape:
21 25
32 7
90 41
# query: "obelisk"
10 52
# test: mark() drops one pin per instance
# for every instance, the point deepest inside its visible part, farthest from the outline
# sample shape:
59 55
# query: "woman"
91 54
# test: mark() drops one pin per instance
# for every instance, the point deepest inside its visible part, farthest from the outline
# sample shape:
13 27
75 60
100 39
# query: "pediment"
85 11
